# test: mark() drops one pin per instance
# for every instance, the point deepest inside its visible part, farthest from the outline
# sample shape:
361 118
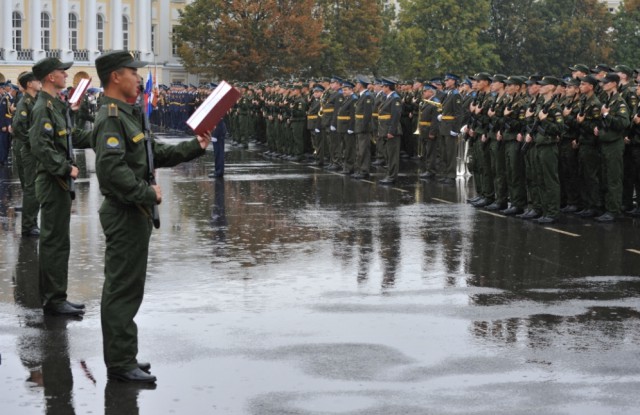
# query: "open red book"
211 111
78 93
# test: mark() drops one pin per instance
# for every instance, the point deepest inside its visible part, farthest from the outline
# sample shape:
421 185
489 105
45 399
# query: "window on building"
125 33
45 31
153 38
174 44
100 32
17 31
73 31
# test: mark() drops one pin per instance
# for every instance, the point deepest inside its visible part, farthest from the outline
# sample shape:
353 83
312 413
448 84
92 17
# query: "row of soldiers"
175 104
538 145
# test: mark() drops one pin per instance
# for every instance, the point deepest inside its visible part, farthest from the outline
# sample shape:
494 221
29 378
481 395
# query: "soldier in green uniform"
429 109
48 139
389 128
479 133
514 162
610 134
588 156
297 121
545 138
122 169
313 124
345 124
21 124
569 166
363 127
634 145
496 146
449 128
381 152
627 90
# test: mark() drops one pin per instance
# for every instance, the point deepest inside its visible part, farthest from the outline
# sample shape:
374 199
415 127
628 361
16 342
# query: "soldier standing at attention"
389 129
122 170
363 127
449 128
21 124
610 134
313 124
48 140
345 123
429 108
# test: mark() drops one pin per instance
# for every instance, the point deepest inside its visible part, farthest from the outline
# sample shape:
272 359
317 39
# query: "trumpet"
320 111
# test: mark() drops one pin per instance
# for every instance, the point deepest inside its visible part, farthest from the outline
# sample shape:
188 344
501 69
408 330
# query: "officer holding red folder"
122 170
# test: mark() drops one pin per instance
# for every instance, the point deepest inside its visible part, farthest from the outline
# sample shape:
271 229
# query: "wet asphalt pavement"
286 289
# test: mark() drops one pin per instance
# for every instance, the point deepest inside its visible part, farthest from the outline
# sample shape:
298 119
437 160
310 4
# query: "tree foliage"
626 33
446 35
258 39
248 39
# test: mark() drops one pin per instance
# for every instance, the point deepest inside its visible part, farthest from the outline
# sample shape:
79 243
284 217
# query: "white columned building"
90 27
7 31
35 29
116 24
62 19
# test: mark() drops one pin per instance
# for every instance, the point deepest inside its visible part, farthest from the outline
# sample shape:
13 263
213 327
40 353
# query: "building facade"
81 30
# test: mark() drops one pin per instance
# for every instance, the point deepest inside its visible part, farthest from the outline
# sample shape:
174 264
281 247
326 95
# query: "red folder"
78 93
211 111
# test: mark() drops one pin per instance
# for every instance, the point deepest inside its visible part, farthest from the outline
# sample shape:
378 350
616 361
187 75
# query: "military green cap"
624 69
112 61
514 80
45 66
25 78
499 78
589 79
580 67
573 82
549 80
481 76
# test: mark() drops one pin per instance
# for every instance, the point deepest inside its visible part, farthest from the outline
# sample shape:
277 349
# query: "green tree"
560 33
445 35
248 39
351 36
626 33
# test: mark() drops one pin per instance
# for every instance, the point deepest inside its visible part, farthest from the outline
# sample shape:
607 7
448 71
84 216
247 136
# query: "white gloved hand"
453 133
214 139
439 117
463 129
332 128
317 131
349 131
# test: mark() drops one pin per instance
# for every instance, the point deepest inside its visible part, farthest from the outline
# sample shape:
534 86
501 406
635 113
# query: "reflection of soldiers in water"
45 354
5 195
44 349
365 246
389 250
122 398
25 279
218 216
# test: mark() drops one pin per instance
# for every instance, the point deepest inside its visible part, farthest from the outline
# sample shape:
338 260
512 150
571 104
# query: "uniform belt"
344 117
375 114
359 117
327 110
8 115
384 117
425 123
448 117
312 117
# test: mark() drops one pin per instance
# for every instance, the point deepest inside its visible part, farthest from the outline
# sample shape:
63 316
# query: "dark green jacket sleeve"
47 137
167 155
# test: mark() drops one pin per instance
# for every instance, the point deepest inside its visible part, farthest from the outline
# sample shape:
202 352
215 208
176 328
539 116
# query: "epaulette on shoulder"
112 110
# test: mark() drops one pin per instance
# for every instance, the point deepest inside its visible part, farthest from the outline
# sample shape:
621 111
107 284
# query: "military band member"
429 109
314 124
449 128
